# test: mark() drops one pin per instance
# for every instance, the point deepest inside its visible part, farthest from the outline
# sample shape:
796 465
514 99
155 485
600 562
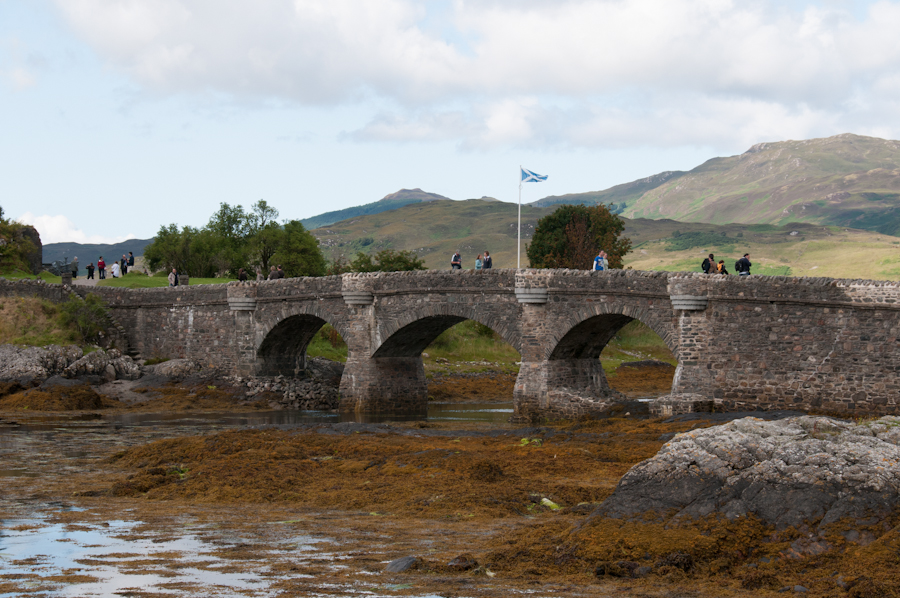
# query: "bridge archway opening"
284 350
453 336
457 339
615 339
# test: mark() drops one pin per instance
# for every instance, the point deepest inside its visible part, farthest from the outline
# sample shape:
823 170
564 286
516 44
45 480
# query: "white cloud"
21 79
59 229
703 71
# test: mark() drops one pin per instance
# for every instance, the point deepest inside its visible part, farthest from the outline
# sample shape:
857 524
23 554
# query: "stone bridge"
741 342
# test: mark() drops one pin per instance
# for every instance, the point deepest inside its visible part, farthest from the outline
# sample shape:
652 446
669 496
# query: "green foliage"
299 253
573 235
699 239
328 343
15 246
386 260
88 317
235 239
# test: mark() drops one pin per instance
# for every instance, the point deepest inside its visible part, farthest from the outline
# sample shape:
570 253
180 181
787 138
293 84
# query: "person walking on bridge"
488 262
743 265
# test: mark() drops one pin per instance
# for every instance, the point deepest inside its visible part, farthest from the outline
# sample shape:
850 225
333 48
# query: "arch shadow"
283 350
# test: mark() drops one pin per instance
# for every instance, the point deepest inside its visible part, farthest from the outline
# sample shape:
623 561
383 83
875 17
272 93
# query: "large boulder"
111 365
790 472
30 363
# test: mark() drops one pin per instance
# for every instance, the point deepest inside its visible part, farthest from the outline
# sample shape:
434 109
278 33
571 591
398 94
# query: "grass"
45 276
137 280
634 342
33 322
815 251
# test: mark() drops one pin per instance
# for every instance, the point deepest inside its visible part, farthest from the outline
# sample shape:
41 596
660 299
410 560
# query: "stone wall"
33 288
741 342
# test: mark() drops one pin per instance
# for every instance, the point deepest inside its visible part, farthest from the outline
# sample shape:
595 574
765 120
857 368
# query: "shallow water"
43 553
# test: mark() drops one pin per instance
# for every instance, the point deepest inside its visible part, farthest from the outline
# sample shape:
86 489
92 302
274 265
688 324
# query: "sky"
121 116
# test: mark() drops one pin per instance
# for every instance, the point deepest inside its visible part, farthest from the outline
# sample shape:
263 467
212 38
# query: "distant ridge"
87 253
845 180
391 201
626 193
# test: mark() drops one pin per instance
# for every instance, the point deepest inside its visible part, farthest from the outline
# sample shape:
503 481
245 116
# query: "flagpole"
519 236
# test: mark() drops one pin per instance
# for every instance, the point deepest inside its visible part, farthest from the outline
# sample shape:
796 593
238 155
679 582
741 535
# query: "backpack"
705 266
738 266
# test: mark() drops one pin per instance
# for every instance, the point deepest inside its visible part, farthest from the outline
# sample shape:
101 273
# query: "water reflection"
463 412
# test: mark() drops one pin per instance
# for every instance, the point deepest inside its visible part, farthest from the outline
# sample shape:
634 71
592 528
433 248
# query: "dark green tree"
573 235
387 260
299 252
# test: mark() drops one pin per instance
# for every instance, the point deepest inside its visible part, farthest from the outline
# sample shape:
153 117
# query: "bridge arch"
284 337
409 334
587 330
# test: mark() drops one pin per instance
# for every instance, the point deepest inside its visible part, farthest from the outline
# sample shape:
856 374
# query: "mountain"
434 230
90 252
626 193
391 201
846 180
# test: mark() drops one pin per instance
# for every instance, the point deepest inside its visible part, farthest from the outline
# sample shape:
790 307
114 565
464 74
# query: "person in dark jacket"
90 271
709 265
130 260
743 265
242 275
488 262
124 265
456 261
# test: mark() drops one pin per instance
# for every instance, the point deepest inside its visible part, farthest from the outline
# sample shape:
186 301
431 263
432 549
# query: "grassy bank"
19 275
34 322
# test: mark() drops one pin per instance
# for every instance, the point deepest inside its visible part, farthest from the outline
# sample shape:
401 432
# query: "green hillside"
626 193
846 180
435 229
392 201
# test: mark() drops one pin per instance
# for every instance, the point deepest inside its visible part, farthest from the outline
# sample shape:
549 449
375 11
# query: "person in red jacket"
101 268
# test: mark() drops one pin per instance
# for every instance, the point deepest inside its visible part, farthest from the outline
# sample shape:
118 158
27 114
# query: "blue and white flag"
531 177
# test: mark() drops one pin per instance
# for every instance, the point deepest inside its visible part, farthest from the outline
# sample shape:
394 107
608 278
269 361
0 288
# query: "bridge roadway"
741 342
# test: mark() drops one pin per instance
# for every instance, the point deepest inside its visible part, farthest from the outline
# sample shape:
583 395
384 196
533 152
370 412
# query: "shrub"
89 316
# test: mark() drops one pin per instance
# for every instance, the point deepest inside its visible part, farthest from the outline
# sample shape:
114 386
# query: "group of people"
275 272
482 262
710 266
118 269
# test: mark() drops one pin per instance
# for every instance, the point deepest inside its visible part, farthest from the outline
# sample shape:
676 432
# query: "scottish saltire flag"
531 177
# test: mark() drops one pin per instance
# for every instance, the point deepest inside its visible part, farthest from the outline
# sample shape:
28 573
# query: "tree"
299 252
266 235
573 235
387 260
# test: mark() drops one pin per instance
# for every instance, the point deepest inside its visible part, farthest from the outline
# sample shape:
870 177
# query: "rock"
112 365
403 564
28 363
463 562
174 369
785 472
